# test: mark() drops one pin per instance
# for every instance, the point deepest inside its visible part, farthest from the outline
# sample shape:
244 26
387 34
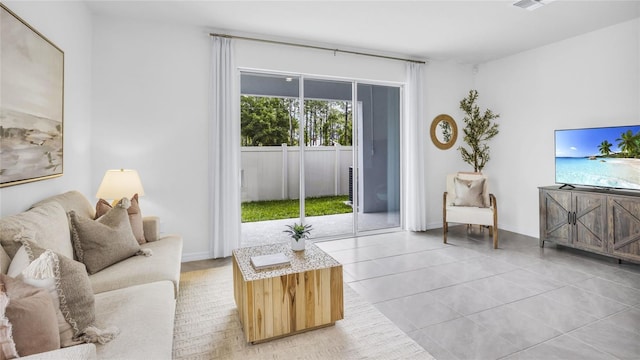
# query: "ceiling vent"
529 4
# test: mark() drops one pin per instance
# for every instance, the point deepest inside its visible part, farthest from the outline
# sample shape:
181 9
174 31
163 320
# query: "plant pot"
297 245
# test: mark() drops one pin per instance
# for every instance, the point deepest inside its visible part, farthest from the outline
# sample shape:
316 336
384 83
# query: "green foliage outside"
479 129
628 143
270 121
289 209
267 121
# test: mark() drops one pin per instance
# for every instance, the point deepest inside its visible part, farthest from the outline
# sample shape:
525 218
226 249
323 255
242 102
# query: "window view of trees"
270 121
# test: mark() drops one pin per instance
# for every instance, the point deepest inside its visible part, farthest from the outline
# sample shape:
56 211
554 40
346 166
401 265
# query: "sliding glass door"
311 153
378 157
328 157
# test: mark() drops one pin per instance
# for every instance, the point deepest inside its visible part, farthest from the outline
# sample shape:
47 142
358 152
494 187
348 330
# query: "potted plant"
478 130
298 233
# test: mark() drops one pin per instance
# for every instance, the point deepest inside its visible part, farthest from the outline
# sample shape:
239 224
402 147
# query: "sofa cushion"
135 216
103 242
163 265
78 352
71 201
46 225
32 316
145 314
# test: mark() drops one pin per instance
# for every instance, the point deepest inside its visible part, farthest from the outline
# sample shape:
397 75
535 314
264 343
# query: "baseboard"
434 225
196 256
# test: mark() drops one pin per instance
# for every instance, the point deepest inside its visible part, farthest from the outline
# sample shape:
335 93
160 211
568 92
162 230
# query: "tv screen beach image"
601 157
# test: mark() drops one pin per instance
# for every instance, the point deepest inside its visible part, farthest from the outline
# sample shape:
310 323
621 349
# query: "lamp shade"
117 184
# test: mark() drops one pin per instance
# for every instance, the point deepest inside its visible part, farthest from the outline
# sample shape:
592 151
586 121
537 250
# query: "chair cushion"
470 215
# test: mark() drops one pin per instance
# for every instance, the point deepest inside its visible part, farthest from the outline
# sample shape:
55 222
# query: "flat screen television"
605 157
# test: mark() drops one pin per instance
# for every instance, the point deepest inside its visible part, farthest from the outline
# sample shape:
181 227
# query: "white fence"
272 173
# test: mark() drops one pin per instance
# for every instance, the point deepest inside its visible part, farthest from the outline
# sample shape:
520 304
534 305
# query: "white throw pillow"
20 262
469 192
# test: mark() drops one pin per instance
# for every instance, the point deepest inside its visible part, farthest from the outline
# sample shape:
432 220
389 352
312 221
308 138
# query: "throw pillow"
41 274
469 192
7 345
32 316
135 216
74 292
20 262
106 241
46 225
5 260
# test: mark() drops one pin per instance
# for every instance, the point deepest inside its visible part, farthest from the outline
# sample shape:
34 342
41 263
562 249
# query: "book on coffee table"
270 260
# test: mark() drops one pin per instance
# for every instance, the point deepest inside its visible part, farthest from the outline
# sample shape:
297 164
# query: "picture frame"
31 103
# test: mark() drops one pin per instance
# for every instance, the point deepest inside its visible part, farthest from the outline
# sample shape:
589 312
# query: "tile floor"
465 300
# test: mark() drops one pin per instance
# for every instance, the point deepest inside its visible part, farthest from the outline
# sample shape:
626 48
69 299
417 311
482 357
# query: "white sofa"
137 295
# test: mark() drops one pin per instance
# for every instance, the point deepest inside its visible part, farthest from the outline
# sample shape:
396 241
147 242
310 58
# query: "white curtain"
224 152
415 136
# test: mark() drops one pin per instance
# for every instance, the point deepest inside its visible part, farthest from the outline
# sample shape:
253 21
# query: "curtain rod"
315 47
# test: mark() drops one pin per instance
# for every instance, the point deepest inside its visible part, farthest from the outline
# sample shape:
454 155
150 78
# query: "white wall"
447 84
150 109
587 81
151 85
69 26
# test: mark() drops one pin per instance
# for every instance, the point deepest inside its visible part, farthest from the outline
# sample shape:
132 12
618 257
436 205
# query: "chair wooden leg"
495 238
494 202
445 229
445 226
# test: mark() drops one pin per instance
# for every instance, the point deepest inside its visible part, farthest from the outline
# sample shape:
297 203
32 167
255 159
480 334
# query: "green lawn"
289 209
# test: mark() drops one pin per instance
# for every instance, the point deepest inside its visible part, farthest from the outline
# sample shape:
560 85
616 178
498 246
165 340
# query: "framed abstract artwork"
31 103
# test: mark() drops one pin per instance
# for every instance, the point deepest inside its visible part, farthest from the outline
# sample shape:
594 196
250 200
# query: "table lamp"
117 184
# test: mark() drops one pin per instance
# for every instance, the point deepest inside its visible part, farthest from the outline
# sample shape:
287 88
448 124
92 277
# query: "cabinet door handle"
574 218
569 218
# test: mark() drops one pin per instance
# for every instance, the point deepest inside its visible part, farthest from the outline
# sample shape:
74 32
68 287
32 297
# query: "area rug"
207 327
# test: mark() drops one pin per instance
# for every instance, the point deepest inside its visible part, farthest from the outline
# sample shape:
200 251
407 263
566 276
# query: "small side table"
290 299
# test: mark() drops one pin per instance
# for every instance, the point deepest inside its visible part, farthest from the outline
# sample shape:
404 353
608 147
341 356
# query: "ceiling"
463 31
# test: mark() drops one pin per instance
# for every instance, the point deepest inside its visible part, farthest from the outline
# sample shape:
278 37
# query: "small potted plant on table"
298 233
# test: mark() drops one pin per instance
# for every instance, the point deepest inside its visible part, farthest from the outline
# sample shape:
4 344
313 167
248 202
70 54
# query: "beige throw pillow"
135 216
106 241
41 273
32 316
74 291
469 192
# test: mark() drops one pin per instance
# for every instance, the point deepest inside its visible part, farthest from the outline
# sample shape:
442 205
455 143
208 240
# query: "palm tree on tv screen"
629 143
605 148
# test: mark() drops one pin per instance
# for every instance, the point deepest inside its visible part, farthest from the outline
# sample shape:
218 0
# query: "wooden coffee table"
289 299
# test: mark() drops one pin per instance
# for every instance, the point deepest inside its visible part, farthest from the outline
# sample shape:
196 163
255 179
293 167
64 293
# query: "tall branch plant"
479 129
